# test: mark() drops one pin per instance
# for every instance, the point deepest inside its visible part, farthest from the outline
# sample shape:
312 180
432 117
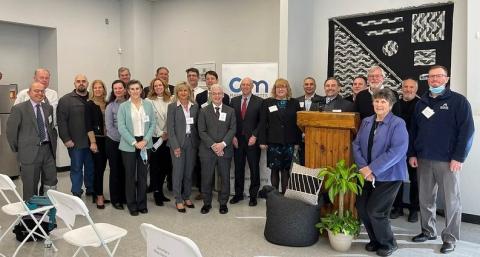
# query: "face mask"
437 90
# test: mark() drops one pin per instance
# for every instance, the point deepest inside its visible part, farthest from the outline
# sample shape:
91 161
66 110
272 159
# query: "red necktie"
243 111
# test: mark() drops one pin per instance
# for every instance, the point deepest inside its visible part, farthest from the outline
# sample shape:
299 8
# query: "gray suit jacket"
176 125
212 130
22 131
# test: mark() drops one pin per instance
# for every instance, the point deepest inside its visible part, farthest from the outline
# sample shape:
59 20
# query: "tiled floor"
237 234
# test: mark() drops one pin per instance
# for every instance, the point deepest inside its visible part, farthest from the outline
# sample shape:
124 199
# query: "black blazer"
248 126
203 98
280 126
94 119
364 104
315 99
338 103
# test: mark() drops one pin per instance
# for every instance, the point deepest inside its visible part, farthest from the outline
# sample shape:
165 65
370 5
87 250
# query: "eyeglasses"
436 76
375 76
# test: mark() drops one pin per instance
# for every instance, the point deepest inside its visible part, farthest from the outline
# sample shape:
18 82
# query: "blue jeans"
81 159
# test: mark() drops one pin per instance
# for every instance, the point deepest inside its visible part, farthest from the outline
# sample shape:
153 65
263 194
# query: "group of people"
186 133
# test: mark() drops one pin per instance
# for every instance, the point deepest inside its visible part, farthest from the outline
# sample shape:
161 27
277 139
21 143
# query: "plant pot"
340 242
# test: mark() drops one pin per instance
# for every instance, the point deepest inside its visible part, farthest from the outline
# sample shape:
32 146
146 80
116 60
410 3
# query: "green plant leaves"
347 224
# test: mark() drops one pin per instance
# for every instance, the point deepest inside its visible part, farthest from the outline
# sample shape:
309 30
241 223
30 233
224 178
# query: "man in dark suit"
247 113
31 134
310 97
308 102
333 101
216 128
204 98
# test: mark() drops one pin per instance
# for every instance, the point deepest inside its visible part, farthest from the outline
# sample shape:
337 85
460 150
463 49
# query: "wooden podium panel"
328 139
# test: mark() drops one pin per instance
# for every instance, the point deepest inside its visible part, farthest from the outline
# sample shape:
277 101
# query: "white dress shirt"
138 116
186 112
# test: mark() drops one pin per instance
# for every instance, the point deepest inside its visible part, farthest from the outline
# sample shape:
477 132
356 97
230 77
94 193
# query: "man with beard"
72 131
363 101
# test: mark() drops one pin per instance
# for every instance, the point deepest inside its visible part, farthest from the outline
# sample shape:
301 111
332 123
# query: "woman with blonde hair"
182 117
95 124
160 160
278 132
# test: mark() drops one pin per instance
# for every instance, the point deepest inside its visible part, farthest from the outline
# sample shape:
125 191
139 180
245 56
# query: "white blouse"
138 116
160 108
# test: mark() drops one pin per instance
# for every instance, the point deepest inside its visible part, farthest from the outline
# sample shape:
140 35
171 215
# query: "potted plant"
341 225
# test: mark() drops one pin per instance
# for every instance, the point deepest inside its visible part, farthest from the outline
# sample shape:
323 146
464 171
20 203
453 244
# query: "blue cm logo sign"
234 85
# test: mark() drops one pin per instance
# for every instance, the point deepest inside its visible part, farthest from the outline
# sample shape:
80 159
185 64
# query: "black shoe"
163 198
386 251
77 194
371 246
236 199
223 209
422 237
396 212
101 206
158 202
205 209
252 202
413 216
144 211
118 206
89 193
191 205
182 210
134 213
447 247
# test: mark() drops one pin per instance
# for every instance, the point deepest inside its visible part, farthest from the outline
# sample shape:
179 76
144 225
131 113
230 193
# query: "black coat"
250 125
279 126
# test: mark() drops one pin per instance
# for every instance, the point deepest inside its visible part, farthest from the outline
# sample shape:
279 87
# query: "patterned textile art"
403 42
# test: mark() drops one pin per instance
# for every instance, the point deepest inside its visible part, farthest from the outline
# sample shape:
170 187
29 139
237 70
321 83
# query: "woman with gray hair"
379 150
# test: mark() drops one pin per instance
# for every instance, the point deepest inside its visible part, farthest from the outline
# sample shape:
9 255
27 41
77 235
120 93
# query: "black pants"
242 154
99 165
135 180
275 178
373 207
160 165
117 171
413 196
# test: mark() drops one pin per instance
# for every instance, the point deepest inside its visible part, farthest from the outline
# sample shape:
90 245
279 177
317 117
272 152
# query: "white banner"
263 76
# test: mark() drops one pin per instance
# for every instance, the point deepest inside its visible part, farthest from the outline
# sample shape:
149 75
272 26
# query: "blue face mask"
437 90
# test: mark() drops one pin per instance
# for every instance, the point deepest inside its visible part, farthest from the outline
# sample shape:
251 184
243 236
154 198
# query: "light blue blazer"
125 125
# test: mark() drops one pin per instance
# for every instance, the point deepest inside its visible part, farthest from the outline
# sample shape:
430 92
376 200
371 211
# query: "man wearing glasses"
363 102
441 136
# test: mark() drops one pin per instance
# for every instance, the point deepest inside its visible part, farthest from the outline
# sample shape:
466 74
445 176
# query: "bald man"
73 132
31 134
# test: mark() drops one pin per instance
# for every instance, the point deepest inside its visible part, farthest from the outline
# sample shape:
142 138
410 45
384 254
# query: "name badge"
204 105
146 118
222 117
336 110
189 121
273 108
302 104
50 119
428 112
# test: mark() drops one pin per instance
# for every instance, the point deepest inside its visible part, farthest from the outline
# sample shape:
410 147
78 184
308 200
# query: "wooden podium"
328 139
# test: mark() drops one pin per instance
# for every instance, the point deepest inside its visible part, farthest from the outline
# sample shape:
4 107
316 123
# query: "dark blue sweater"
448 134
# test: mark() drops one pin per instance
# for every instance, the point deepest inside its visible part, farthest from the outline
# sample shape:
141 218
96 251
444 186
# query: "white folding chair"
19 209
94 234
163 243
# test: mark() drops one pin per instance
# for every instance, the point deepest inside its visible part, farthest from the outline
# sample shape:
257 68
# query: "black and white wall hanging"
404 42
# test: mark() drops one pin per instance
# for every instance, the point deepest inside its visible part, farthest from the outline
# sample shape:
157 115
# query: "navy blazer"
390 144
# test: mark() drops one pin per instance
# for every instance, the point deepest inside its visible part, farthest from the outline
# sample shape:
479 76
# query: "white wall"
19 53
136 39
189 31
85 44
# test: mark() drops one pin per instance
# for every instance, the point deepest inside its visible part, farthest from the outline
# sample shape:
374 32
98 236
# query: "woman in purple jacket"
380 153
